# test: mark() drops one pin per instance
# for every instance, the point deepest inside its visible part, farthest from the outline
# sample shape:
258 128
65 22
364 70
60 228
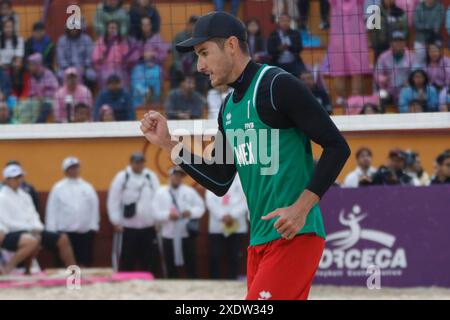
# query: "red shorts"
283 269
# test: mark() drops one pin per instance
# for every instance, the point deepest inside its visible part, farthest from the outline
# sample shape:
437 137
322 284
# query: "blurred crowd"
122 63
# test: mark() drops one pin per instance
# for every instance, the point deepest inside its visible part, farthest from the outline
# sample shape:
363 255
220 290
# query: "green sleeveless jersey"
274 165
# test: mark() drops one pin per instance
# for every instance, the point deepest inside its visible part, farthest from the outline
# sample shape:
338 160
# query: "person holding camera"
393 173
362 175
130 210
179 208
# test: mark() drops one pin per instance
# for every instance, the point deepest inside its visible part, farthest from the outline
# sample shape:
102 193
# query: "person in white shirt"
130 210
179 207
73 208
362 175
227 229
19 217
215 98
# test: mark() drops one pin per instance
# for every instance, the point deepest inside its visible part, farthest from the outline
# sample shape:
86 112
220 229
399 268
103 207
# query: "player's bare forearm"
306 201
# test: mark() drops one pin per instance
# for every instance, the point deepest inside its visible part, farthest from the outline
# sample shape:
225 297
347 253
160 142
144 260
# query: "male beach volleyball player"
286 228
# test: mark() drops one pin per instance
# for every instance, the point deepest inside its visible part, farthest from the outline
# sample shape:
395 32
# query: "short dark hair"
361 150
442 157
81 105
243 45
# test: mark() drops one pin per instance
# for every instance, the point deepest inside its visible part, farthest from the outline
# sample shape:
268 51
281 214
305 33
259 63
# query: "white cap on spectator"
69 162
12 171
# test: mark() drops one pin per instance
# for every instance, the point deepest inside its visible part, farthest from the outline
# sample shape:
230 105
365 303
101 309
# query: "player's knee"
63 241
27 240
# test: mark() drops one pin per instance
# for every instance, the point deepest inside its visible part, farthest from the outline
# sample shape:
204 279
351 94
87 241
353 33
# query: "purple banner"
400 233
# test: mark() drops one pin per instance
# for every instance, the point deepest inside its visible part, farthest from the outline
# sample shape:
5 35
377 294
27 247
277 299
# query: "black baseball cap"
214 25
137 157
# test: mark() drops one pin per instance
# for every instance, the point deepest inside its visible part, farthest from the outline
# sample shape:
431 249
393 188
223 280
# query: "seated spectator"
19 216
20 85
219 6
7 13
5 113
70 94
186 63
256 41
392 19
40 42
106 114
111 10
442 174
444 99
362 175
284 47
74 49
110 55
5 84
437 66
428 19
419 89
73 209
117 98
415 170
215 98
11 45
370 108
393 173
146 80
416 106
393 68
82 113
318 92
25 186
140 9
185 102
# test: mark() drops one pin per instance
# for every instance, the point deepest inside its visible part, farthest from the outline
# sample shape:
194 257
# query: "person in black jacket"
256 41
140 9
284 47
318 92
40 42
394 172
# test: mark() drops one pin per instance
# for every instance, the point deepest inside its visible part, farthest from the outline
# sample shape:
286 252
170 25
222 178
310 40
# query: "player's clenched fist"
155 129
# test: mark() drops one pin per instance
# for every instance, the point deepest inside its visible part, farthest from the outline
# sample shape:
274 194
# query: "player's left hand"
290 221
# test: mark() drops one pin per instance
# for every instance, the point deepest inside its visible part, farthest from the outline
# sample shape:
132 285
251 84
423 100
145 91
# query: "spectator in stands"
19 216
447 22
5 113
280 7
444 99
178 207
364 171
111 10
284 46
5 84
20 85
73 209
215 98
348 49
140 9
70 94
303 9
419 89
415 170
256 41
40 42
184 102
74 49
428 20
146 80
370 108
110 55
82 113
25 186
7 13
393 69
219 6
106 114
318 92
227 228
11 45
437 65
416 106
442 169
131 212
393 19
117 98
186 63
393 173
22 244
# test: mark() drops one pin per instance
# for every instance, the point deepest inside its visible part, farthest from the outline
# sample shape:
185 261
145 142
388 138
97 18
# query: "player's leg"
287 269
23 244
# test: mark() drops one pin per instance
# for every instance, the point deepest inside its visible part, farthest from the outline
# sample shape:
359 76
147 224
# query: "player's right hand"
155 129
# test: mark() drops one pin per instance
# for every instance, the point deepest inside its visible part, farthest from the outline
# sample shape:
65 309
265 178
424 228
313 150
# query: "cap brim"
188 45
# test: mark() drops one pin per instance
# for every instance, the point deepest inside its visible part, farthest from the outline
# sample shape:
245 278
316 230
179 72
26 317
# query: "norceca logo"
341 252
